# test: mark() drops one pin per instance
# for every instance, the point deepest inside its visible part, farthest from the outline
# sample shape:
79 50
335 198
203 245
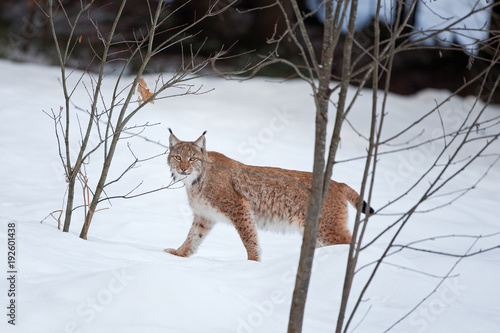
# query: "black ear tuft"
204 133
170 130
172 139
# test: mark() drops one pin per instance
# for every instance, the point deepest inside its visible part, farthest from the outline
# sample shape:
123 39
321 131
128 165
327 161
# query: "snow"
120 279
431 16
438 15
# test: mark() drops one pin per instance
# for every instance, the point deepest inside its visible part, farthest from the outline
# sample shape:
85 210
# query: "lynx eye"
177 158
193 159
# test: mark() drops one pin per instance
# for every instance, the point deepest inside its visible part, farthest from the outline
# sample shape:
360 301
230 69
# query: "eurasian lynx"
248 197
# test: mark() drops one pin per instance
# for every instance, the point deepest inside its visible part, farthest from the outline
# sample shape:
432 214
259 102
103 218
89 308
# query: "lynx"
221 189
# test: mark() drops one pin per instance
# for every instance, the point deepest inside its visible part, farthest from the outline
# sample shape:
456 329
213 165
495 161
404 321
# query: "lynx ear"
200 143
173 139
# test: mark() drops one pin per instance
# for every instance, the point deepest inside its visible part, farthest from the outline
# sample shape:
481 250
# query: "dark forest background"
25 36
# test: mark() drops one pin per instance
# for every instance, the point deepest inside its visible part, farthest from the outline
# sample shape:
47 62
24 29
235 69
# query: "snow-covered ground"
462 21
120 280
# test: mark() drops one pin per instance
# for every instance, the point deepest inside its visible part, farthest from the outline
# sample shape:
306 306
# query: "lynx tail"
353 197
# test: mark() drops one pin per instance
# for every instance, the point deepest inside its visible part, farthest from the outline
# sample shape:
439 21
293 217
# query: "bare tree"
317 71
107 117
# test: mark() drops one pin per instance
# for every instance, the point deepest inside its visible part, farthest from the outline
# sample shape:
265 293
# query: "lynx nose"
183 170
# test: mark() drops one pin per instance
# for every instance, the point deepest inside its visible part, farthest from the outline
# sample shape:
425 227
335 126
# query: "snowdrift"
120 280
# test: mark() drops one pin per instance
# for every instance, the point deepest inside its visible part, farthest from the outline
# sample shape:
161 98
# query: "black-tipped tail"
364 209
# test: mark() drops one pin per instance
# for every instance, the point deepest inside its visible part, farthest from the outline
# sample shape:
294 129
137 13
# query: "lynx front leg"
197 233
245 225
248 235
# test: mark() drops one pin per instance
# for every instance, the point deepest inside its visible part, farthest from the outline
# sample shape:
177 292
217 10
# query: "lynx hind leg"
333 226
331 234
199 230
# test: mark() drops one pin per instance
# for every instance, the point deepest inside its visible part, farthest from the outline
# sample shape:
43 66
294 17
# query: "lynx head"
187 160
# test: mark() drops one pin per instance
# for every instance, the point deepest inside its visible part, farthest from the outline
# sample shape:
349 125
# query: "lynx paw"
171 251
174 252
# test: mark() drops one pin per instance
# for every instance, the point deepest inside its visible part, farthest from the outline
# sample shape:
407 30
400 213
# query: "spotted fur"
248 197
